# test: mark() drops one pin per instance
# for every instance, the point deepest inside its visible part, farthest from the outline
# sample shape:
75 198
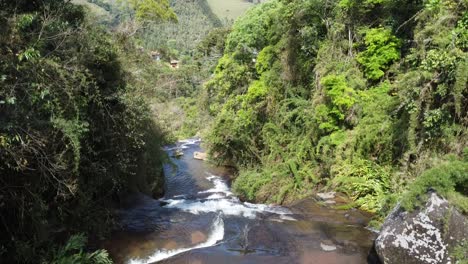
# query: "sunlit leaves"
28 54
25 21
364 181
340 98
382 48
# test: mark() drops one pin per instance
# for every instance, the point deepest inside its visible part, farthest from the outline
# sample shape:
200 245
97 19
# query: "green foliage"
266 59
74 130
74 137
360 96
460 253
339 99
214 42
447 179
374 136
249 183
235 77
72 253
381 49
192 119
194 22
252 31
29 54
365 3
365 182
276 184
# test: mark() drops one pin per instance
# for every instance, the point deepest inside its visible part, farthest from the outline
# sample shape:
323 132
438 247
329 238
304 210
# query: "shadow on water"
185 226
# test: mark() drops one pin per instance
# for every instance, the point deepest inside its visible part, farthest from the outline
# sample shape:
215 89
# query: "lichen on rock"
425 235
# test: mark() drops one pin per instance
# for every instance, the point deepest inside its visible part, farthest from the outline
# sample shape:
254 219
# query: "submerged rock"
426 235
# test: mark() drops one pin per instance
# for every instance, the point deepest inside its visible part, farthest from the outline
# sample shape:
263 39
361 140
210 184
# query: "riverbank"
201 219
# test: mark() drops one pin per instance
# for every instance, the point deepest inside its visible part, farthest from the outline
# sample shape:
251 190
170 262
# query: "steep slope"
355 96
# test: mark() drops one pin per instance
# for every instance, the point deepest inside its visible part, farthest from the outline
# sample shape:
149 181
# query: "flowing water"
201 221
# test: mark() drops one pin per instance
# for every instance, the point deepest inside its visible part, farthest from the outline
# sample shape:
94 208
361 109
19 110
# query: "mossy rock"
426 235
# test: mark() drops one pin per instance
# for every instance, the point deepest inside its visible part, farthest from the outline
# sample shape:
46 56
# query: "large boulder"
426 235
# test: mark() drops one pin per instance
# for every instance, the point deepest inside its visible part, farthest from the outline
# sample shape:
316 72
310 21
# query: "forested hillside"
196 41
195 20
366 97
75 133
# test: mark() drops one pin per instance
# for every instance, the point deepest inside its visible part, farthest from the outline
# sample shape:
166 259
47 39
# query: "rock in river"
327 196
200 155
426 235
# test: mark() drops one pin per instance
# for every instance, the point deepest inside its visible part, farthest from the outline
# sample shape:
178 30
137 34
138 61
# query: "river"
200 220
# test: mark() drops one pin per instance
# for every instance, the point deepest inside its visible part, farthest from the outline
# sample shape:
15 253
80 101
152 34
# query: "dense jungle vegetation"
365 97
76 134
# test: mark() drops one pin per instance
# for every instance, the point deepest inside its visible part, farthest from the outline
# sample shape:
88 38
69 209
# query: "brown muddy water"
201 221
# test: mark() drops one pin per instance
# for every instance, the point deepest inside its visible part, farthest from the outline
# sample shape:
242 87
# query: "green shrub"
365 182
249 182
382 48
449 179
366 97
277 183
73 253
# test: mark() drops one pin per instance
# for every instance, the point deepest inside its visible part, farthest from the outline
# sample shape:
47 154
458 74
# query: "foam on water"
216 235
218 199
184 144
220 186
215 196
223 201
202 212
188 142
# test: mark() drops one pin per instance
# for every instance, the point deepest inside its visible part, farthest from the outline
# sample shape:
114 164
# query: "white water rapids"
220 200
216 235
223 201
200 220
